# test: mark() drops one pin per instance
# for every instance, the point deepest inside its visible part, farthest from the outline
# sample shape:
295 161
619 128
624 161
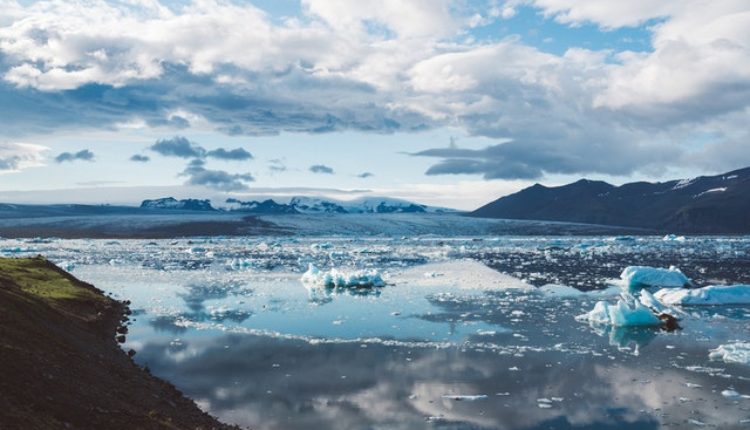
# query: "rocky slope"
60 366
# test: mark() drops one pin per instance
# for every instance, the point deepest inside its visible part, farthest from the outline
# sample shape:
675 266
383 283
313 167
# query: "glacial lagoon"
460 336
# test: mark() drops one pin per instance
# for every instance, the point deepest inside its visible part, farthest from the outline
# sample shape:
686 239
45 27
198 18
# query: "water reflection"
271 383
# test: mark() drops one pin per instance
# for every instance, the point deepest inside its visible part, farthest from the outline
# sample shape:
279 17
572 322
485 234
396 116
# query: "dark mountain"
706 204
172 203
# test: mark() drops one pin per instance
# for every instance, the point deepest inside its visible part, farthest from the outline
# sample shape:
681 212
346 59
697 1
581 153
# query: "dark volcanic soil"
61 367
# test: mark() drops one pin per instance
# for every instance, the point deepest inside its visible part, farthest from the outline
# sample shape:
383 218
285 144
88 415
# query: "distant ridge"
706 204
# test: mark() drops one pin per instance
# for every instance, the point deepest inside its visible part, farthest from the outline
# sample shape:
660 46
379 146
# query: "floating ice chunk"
333 278
637 277
737 352
627 312
706 296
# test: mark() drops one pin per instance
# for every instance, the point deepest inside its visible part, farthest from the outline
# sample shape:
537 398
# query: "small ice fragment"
697 423
691 385
730 393
503 394
514 369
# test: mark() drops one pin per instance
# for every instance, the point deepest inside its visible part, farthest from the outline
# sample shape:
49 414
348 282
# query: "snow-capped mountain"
316 205
174 204
706 204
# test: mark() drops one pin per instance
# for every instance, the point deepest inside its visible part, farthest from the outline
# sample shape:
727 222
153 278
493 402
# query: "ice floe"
465 274
737 352
334 278
706 296
637 277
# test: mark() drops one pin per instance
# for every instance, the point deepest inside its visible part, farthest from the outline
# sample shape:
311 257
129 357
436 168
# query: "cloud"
321 168
237 154
84 155
18 156
365 175
219 180
394 67
140 158
178 146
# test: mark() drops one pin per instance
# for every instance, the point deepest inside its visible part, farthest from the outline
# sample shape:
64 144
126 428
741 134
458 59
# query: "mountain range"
297 205
705 204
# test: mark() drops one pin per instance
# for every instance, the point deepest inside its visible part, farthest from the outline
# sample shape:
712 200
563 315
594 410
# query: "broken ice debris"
333 278
737 352
637 277
706 296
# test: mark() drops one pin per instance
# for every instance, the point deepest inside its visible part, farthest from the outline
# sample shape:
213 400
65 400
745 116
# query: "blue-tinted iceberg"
706 296
637 277
333 278
737 352
627 312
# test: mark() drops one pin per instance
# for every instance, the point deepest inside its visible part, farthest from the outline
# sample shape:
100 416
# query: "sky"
445 102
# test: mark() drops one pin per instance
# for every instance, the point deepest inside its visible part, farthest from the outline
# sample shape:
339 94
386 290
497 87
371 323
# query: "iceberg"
737 352
637 277
333 278
706 296
627 312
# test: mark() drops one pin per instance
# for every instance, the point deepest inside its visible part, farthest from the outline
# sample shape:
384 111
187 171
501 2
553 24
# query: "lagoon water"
449 343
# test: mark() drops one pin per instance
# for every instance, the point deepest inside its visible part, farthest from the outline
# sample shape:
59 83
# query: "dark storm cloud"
321 168
84 155
178 146
220 180
237 154
140 158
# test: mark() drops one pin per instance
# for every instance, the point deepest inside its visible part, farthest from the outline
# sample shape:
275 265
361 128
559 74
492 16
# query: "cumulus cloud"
84 155
219 180
237 154
321 168
19 156
140 158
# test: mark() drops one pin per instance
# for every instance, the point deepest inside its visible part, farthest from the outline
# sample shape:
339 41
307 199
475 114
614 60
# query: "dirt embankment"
61 367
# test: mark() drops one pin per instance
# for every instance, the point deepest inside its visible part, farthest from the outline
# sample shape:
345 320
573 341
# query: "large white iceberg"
637 277
627 312
737 352
333 278
706 296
